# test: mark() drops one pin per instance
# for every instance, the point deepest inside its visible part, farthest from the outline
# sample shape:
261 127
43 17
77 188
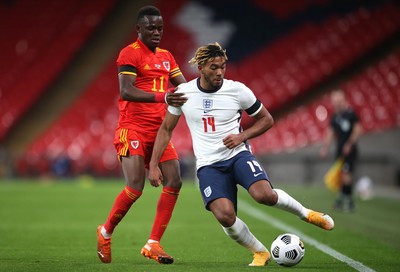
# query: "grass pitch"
51 226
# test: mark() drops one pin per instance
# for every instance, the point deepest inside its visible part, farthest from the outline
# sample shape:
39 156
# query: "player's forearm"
328 139
134 94
162 140
355 134
259 127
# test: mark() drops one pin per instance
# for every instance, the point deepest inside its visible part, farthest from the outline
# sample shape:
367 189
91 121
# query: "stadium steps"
36 34
103 46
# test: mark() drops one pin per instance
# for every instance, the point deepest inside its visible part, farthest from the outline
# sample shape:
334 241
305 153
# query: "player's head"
211 62
149 26
338 100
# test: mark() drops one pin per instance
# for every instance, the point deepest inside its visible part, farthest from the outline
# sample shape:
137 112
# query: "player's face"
150 30
212 73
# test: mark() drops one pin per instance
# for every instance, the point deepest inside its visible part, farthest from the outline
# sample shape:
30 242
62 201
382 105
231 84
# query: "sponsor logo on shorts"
135 144
256 175
207 191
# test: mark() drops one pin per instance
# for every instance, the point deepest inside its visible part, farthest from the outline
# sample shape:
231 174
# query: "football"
287 249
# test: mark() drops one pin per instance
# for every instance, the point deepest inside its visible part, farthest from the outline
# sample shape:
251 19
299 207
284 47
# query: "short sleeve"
248 100
128 57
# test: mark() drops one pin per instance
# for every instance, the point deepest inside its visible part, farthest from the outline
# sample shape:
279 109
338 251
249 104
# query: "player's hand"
346 148
175 99
155 176
323 152
233 140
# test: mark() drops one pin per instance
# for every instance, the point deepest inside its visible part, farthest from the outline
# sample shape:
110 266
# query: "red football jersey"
152 71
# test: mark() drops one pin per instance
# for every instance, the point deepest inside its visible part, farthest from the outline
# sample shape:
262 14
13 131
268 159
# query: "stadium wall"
379 159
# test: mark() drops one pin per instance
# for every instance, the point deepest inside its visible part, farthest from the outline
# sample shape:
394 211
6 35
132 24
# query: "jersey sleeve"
174 69
248 100
127 61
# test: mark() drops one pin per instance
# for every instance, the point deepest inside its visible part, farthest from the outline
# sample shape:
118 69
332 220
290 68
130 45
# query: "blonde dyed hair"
208 52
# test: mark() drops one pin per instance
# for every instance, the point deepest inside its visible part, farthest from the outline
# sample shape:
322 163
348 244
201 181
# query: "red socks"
122 203
128 196
165 206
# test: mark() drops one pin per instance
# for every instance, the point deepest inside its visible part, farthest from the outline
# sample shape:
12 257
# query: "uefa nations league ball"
287 249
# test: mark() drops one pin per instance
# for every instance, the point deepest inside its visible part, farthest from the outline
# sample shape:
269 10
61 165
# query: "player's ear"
200 67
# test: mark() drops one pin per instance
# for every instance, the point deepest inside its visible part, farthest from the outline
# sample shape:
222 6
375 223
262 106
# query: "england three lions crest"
207 104
166 65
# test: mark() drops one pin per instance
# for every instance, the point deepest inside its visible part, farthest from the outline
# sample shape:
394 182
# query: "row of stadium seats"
41 38
83 134
284 9
374 95
289 67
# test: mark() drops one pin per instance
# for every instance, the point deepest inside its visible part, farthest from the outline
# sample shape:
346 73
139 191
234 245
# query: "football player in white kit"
213 113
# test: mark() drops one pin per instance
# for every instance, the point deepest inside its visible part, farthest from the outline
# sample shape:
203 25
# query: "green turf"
47 226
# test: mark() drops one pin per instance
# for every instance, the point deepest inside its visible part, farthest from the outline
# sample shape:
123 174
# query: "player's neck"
205 87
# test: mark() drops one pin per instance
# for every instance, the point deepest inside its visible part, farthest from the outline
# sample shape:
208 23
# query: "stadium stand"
83 134
41 38
313 52
374 94
279 72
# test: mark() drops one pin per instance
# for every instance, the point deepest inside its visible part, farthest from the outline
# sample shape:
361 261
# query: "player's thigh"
215 183
251 175
134 171
171 173
247 170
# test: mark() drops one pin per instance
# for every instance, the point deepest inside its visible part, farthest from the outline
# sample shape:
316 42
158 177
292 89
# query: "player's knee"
225 218
266 197
174 182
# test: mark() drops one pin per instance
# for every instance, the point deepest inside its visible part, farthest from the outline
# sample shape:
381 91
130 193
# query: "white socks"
242 235
288 203
104 233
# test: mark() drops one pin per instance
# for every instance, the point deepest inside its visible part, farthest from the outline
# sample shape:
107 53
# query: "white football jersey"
211 116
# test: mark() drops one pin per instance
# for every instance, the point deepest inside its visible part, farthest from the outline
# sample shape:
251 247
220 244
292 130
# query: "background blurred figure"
346 129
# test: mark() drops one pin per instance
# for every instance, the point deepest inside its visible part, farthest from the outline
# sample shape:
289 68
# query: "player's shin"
288 203
165 207
121 206
240 233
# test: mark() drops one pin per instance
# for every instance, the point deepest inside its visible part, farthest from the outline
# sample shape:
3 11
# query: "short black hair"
148 11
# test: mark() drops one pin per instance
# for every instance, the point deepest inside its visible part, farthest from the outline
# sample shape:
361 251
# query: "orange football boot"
155 251
103 247
321 220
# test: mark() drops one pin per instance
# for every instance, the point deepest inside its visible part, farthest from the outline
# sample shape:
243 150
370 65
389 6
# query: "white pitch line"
258 214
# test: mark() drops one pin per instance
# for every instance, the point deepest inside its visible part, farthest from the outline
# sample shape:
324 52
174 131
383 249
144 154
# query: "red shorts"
129 142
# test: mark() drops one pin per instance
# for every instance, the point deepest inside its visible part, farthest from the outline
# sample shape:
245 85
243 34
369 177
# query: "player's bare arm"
264 121
327 142
130 92
355 135
163 137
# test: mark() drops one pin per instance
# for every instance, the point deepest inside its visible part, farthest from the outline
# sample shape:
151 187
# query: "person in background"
144 71
345 129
